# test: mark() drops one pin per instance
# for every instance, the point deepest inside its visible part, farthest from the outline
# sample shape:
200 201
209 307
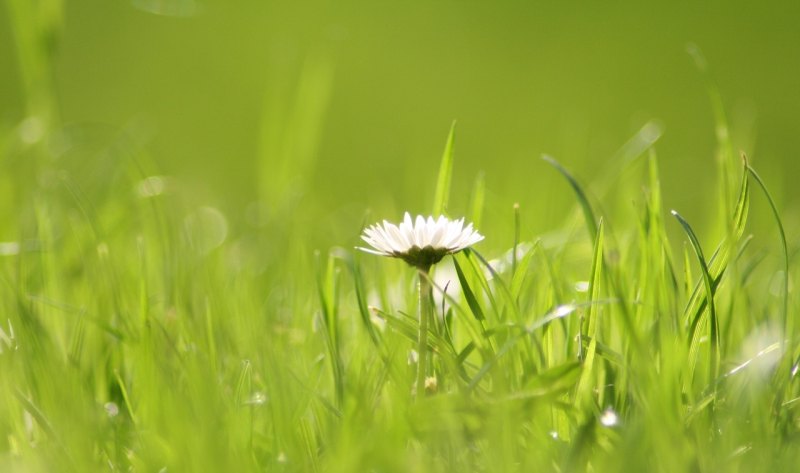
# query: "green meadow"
184 185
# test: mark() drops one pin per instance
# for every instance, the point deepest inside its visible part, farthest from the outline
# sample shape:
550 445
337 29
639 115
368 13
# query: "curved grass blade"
787 321
694 347
785 371
719 261
588 213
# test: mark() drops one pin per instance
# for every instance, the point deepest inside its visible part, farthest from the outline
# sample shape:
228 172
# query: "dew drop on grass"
564 310
582 286
256 399
609 418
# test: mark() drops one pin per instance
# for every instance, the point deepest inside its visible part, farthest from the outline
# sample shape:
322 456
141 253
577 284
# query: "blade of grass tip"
658 222
714 353
719 260
588 213
584 388
787 321
594 281
445 174
522 269
478 198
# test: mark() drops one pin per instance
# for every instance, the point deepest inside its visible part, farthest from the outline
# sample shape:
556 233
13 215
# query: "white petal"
464 238
386 239
419 231
437 232
400 242
377 244
452 235
407 229
367 250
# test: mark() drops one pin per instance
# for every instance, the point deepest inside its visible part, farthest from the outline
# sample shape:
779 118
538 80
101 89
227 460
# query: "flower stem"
424 318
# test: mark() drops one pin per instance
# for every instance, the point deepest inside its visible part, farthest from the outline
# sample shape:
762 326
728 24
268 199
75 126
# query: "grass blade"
478 199
588 213
714 355
445 174
590 324
787 321
472 302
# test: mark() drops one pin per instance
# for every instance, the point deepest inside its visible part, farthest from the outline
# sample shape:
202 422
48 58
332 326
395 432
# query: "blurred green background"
333 109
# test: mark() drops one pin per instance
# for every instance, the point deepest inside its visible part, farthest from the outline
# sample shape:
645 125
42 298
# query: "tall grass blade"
713 323
788 325
445 174
720 259
478 199
589 329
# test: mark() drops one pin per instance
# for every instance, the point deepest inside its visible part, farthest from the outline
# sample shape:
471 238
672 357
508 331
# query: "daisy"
421 242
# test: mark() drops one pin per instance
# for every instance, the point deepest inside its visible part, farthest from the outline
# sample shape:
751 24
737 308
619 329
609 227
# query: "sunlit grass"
137 338
142 329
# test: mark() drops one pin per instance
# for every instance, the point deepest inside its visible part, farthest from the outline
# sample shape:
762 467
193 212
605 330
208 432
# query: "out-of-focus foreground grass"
182 183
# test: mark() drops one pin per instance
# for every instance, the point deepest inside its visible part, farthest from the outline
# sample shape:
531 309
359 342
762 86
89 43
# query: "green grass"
141 330
133 340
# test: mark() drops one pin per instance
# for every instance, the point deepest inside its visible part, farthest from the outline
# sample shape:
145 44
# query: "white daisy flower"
421 242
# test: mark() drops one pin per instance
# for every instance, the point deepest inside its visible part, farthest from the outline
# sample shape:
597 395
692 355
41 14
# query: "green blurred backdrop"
345 106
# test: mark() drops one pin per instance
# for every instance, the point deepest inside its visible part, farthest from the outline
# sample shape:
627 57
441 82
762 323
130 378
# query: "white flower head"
420 242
